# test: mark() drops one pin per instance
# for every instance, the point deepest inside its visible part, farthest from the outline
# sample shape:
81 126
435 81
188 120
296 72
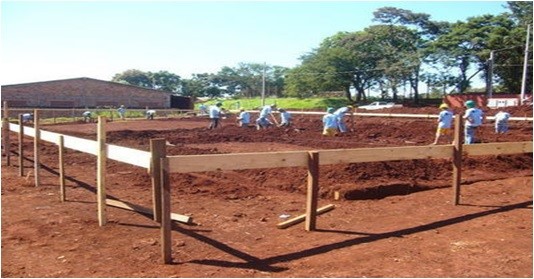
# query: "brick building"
88 92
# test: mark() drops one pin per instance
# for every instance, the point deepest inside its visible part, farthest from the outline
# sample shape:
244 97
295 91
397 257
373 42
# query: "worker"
122 112
444 123
244 118
501 122
203 110
87 116
262 122
214 114
473 120
27 117
341 113
285 118
330 123
150 114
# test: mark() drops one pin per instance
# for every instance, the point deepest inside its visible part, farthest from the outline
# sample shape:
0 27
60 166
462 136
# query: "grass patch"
286 103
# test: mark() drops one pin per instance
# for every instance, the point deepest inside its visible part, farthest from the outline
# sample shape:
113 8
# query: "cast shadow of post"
252 262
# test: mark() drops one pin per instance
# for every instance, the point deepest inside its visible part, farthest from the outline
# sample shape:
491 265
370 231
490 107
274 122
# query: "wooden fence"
160 166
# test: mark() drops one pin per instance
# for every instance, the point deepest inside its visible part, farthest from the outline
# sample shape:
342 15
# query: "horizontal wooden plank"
134 207
300 218
237 161
344 156
29 131
497 148
128 155
14 127
50 136
79 144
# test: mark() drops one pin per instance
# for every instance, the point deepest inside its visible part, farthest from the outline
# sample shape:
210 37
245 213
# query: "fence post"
157 151
165 224
5 133
61 169
457 159
101 170
21 146
36 147
312 191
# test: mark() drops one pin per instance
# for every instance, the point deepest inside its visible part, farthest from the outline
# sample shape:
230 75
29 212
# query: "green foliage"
161 80
133 77
521 12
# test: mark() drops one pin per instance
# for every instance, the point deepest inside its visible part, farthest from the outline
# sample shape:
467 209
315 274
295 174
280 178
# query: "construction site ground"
393 219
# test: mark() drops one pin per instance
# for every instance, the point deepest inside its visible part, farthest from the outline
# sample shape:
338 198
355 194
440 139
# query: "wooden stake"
300 218
5 133
5 139
166 249
101 170
312 191
36 147
61 169
21 146
6 111
352 115
137 208
158 151
457 159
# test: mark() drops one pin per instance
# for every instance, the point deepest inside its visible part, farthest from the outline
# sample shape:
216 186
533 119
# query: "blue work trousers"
470 132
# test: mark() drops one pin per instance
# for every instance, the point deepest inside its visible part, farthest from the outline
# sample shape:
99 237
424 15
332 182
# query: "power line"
511 65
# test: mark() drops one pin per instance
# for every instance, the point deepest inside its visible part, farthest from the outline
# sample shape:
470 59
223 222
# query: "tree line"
403 49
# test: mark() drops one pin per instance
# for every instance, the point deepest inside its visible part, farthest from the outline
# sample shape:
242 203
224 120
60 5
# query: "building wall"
458 100
83 92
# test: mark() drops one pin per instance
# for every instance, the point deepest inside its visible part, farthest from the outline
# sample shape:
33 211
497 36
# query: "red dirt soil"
394 219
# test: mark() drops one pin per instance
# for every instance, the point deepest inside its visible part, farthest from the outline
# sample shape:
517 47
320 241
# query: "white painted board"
128 155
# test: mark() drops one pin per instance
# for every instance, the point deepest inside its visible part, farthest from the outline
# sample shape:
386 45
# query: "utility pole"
489 82
525 62
263 85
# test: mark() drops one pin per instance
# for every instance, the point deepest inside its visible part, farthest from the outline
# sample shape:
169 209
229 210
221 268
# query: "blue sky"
48 40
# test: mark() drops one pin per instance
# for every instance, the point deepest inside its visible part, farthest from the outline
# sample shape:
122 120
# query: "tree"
201 85
508 64
247 79
161 80
398 56
165 81
341 61
419 32
133 77
463 46
521 12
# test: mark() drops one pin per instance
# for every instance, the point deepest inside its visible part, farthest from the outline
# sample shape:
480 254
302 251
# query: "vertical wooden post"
165 224
61 169
5 133
157 151
457 159
312 191
5 140
101 170
36 147
21 146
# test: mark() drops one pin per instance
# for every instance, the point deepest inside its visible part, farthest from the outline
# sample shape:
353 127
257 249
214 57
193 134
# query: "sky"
51 40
